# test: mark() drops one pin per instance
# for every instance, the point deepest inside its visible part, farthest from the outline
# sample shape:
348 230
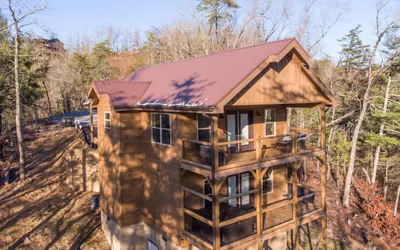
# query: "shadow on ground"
42 212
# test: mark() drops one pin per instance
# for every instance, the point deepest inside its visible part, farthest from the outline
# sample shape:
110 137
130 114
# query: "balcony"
239 225
267 151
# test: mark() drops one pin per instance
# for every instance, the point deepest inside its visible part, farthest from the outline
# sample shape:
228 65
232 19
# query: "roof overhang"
293 46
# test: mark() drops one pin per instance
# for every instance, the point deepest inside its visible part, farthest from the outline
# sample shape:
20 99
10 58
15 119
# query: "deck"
268 151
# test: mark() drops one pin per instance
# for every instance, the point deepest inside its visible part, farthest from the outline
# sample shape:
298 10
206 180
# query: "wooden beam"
243 243
197 170
221 182
196 164
238 218
323 179
295 201
215 185
196 241
197 193
225 198
258 185
197 216
277 205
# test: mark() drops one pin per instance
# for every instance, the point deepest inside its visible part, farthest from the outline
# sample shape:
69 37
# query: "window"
267 182
151 245
161 128
203 128
269 120
107 120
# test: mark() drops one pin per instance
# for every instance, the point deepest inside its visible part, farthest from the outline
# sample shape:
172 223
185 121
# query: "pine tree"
217 10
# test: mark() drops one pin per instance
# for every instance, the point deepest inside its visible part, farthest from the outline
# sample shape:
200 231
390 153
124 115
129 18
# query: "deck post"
258 148
258 186
295 166
215 184
323 179
91 120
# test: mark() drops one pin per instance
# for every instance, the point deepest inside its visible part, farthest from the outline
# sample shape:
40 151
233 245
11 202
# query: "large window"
270 122
107 120
161 128
267 181
203 128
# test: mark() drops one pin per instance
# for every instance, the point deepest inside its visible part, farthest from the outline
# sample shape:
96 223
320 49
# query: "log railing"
245 152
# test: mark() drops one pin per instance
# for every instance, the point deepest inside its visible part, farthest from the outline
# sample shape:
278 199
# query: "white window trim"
265 134
107 112
197 125
272 182
161 129
204 191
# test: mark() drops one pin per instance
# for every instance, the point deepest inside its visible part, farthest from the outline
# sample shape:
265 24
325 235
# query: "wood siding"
280 83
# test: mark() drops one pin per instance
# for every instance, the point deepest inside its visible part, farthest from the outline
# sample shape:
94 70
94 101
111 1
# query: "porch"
256 221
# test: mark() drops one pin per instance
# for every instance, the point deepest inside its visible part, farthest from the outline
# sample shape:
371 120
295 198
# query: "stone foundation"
137 236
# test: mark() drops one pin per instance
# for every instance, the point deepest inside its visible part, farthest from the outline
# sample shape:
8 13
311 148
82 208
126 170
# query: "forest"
363 129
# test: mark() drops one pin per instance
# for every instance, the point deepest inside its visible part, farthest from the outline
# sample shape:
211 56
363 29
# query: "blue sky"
67 18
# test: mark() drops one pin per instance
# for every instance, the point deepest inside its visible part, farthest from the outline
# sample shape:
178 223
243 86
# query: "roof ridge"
215 53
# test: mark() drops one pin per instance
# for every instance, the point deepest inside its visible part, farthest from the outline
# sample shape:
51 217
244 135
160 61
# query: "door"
232 184
240 127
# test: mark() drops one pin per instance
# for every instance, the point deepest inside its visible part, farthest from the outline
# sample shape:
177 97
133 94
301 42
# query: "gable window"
203 128
267 182
161 128
107 120
270 122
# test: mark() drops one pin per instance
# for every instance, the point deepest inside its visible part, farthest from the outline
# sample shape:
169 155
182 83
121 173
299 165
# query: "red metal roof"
121 94
201 81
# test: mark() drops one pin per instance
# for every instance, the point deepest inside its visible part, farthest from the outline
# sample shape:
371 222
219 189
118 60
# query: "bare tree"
18 18
372 75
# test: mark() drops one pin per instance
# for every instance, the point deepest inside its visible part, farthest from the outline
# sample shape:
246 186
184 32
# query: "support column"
295 167
215 185
257 179
323 179
91 121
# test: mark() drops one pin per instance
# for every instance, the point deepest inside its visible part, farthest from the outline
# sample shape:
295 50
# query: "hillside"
42 212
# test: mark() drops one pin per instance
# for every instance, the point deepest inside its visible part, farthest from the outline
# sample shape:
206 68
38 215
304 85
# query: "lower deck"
253 205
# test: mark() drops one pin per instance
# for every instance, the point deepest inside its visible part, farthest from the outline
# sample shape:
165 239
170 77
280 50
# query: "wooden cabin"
198 154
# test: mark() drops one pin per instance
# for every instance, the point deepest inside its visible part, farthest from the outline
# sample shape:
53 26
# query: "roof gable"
202 81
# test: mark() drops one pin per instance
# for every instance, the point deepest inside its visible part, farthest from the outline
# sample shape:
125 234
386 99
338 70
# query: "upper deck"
248 142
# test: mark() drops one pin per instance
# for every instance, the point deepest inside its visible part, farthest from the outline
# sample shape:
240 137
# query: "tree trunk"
48 99
18 104
378 148
356 133
397 201
386 180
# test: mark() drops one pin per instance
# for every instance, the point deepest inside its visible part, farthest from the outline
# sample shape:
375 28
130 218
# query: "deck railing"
244 152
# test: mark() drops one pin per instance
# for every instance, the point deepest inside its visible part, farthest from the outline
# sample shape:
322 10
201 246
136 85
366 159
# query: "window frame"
160 128
271 178
197 131
274 122
105 120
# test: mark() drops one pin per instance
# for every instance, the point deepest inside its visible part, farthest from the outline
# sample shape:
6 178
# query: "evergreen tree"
217 10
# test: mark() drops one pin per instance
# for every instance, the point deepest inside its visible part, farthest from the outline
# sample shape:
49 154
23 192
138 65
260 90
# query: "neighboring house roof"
121 94
204 81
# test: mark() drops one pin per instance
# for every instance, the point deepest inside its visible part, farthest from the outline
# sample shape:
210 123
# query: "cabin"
199 154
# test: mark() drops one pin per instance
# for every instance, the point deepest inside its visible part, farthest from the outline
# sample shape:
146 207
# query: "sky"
68 18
